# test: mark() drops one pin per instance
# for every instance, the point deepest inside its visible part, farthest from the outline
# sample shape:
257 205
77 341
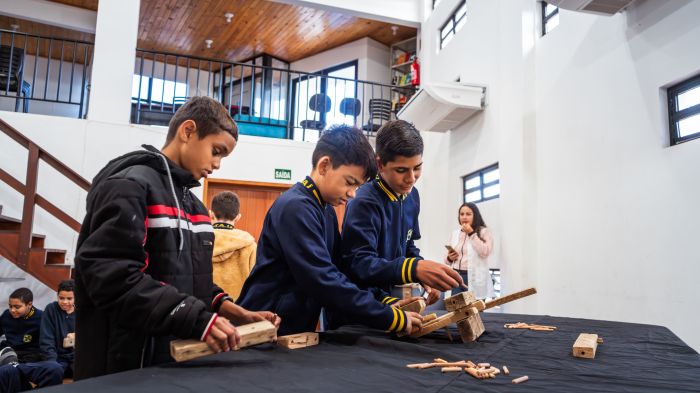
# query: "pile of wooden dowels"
476 370
523 325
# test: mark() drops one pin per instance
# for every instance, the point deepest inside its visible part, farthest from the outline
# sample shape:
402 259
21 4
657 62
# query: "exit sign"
283 174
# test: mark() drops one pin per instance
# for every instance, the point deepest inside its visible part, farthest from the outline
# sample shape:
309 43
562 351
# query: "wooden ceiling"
285 31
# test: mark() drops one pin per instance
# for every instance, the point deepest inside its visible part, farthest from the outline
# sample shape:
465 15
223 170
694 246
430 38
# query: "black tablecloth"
633 358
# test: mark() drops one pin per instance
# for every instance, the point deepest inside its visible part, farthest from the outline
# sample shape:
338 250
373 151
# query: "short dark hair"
66 285
345 145
209 114
398 138
23 294
226 205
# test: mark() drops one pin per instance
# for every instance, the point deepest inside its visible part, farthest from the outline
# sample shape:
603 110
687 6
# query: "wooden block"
407 290
251 334
451 369
429 317
417 305
69 341
460 300
471 328
295 341
509 298
439 360
441 322
520 379
585 346
505 370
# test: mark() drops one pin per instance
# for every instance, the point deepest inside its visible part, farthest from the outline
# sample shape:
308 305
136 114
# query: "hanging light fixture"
228 16
208 42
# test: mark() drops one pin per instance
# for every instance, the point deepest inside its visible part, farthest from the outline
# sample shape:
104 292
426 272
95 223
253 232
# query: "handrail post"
25 233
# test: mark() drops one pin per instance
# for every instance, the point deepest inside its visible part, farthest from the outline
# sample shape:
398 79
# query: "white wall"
405 12
595 209
43 295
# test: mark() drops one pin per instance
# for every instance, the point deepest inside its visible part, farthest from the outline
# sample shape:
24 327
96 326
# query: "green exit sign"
283 174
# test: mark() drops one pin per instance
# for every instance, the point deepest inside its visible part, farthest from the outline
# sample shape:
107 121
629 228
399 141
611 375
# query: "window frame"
546 18
453 21
480 173
675 116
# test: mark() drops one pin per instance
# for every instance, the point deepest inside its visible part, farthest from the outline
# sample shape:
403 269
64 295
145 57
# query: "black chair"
379 110
350 107
321 104
11 64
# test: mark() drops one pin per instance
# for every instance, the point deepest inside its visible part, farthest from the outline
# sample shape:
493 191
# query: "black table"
633 358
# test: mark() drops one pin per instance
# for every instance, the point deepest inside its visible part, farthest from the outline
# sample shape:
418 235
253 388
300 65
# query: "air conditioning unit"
599 7
443 106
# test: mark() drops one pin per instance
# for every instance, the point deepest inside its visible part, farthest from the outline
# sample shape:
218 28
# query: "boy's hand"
414 322
241 316
438 275
433 294
257 316
222 337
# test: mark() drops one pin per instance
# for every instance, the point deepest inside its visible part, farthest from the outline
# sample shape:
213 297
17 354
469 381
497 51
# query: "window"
482 185
550 17
453 25
157 90
336 83
684 110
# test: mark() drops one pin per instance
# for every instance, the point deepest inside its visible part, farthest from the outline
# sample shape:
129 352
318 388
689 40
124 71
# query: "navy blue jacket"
22 333
378 233
295 274
55 326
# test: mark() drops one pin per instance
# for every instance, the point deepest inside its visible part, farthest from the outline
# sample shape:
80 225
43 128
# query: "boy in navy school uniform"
295 274
381 223
143 271
57 321
20 325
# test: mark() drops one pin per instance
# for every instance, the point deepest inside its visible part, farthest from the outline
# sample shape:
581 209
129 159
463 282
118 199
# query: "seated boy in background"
20 325
234 249
57 321
296 273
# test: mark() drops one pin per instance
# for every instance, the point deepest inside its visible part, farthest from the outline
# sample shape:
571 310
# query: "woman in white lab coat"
468 252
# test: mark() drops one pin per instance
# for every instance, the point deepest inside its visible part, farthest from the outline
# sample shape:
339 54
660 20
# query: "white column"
113 61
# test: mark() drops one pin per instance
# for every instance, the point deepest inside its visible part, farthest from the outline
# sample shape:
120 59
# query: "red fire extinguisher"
415 72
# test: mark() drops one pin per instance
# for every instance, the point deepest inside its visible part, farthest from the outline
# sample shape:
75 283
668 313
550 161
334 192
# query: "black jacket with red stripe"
142 276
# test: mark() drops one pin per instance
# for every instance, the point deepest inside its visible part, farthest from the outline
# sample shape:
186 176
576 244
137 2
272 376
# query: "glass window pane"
492 175
157 90
135 87
552 23
689 126
337 90
446 40
461 23
461 11
446 30
549 9
473 196
491 191
473 182
689 98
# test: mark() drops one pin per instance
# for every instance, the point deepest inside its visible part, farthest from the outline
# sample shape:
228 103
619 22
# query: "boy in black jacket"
295 273
381 224
20 326
57 321
143 269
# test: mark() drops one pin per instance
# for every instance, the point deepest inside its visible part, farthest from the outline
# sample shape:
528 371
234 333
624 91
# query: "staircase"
45 264
18 243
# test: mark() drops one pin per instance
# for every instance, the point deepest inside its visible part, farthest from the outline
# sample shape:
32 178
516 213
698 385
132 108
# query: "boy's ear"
238 217
212 215
187 130
324 164
379 162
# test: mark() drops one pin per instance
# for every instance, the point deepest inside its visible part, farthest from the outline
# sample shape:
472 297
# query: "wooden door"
256 199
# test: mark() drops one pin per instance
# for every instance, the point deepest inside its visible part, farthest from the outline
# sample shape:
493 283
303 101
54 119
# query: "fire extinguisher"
415 72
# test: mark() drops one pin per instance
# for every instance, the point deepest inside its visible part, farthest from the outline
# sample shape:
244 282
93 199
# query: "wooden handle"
251 334
510 298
